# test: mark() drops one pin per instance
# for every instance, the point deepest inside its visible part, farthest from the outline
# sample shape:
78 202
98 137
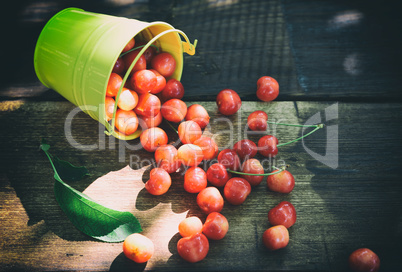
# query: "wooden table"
348 190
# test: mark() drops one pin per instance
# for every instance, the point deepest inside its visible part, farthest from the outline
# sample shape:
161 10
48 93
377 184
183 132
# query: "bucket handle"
186 46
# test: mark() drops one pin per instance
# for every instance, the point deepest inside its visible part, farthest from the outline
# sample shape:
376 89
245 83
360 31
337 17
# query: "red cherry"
229 159
173 89
257 121
141 63
216 226
364 260
282 182
217 175
282 214
253 166
276 237
236 190
198 114
267 88
267 146
210 200
118 67
246 149
228 102
164 63
193 248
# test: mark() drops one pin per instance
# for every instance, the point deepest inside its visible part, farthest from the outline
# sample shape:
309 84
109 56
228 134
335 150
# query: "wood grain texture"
356 205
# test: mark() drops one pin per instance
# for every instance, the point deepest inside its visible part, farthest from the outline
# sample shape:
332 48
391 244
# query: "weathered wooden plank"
357 204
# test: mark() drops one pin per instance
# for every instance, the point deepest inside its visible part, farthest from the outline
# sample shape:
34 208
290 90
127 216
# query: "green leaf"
91 218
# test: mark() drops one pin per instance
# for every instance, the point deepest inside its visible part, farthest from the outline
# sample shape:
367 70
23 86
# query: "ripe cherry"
173 89
267 88
216 226
246 149
267 146
189 131
208 146
174 110
364 260
118 67
190 155
126 121
276 237
228 102
149 53
217 175
152 138
160 82
148 105
190 226
143 81
210 200
113 84
138 248
159 182
128 99
166 158
229 159
257 121
109 108
282 214
253 166
129 45
199 114
195 180
141 63
148 122
236 190
193 248
282 182
164 63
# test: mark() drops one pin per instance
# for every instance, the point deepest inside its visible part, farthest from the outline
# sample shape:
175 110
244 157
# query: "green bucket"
76 51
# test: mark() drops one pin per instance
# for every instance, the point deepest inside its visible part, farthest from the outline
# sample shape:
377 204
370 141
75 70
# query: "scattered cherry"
208 146
267 88
282 182
149 122
166 158
229 158
138 248
276 237
282 214
159 182
193 248
152 138
257 121
174 110
195 180
148 105
364 260
217 175
246 149
228 102
210 200
190 226
253 166
216 226
190 154
189 131
267 146
236 190
199 114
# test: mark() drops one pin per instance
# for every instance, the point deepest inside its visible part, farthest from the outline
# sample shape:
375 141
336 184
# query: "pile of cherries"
148 97
148 85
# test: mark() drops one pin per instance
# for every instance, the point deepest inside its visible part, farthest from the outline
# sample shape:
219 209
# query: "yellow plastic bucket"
76 51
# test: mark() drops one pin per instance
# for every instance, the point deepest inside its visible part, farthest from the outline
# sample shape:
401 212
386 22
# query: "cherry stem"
171 126
265 174
295 125
317 127
138 47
